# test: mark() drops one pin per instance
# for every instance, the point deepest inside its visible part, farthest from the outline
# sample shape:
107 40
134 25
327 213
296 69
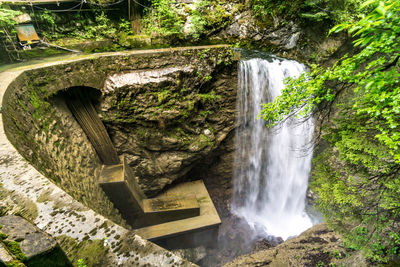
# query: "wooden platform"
208 218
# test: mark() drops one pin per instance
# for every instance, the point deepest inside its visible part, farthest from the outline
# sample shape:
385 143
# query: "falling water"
271 165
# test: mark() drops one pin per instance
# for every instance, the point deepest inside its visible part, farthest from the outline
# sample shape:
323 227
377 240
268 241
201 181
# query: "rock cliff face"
166 110
168 120
238 23
318 246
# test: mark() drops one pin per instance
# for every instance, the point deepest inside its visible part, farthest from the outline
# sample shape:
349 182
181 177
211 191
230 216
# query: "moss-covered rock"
30 246
318 246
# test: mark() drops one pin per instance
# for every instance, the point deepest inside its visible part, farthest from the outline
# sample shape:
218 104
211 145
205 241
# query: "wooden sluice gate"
84 112
180 210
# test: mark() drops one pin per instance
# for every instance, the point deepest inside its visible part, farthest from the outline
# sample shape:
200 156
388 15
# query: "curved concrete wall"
40 126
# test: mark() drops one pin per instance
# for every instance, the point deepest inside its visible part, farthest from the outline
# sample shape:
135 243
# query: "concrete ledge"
207 220
118 183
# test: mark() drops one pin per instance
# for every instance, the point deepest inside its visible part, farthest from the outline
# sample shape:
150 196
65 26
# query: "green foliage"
94 25
7 16
209 97
3 236
208 16
336 11
376 84
124 25
337 254
102 28
266 8
357 180
15 263
164 18
48 17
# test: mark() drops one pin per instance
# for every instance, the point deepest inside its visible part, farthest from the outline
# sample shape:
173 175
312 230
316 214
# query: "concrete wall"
40 126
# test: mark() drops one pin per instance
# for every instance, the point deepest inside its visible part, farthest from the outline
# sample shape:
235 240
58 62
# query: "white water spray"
271 165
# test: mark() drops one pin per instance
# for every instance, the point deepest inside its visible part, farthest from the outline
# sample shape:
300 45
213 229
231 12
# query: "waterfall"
271 165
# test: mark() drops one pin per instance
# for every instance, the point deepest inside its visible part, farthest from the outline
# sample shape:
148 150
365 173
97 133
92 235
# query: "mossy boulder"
28 245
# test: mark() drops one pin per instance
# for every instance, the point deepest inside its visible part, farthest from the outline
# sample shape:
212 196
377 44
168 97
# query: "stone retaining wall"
40 126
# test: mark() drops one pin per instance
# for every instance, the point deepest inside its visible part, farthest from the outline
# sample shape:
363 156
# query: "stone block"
37 247
121 188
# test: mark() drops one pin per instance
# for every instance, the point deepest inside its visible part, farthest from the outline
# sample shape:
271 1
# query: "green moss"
205 113
206 140
202 53
41 53
162 96
209 97
185 114
22 205
35 100
15 263
190 105
15 249
3 236
45 196
92 252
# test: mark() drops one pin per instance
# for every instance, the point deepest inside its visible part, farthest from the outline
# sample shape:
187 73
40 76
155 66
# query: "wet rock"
243 26
311 197
191 254
236 237
280 35
164 123
318 246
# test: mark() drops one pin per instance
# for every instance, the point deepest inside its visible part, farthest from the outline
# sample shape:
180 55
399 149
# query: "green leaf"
367 3
339 28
